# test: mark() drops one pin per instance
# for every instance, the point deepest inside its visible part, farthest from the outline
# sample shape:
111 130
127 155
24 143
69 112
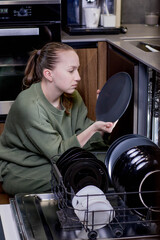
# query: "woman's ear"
47 74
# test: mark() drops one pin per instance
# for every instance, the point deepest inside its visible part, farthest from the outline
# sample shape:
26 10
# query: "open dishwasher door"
51 216
39 217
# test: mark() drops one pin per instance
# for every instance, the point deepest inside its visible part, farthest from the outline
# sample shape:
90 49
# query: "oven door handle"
19 32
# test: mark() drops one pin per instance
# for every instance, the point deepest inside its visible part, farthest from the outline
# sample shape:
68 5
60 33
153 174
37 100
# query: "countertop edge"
120 41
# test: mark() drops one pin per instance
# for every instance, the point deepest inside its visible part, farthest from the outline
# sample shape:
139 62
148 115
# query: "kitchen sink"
145 44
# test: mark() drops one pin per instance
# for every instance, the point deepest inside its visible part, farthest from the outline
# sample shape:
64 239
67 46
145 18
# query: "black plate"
66 155
114 97
72 155
89 172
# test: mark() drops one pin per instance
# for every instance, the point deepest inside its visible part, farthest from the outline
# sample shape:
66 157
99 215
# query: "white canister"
108 20
92 16
151 19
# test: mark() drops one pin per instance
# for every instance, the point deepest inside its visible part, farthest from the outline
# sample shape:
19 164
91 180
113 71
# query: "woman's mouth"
75 85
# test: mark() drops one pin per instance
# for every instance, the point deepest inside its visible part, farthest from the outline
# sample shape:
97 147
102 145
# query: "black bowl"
137 173
121 145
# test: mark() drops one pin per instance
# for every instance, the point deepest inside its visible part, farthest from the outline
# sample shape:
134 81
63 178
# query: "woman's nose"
77 77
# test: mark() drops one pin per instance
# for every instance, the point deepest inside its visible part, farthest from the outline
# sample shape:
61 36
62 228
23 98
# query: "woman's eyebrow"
74 66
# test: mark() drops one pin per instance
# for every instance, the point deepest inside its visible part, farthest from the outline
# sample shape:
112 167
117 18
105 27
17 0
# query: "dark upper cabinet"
118 61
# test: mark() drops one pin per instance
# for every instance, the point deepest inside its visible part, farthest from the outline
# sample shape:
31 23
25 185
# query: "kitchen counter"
125 41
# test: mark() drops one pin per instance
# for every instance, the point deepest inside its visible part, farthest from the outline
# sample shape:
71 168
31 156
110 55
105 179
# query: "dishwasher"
51 216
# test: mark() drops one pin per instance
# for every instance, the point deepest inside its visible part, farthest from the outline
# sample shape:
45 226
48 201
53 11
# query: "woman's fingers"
98 92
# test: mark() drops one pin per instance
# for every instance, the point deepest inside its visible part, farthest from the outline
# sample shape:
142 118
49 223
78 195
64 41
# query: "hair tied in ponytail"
38 52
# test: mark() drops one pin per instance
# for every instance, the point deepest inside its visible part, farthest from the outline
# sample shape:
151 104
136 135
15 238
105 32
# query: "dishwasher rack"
125 223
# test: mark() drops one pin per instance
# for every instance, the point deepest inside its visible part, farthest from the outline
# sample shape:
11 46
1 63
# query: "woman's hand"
98 92
99 126
103 127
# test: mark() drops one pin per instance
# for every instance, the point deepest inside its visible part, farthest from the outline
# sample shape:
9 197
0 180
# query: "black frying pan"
114 97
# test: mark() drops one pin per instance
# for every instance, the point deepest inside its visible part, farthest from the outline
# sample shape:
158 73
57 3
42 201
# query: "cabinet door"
87 87
120 62
1 128
93 74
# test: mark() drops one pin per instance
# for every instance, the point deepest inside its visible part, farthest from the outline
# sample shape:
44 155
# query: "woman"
46 119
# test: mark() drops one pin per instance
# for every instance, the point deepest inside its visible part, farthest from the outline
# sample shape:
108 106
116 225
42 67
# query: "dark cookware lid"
122 146
114 97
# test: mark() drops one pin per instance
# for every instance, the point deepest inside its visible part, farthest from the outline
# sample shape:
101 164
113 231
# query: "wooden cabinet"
93 74
87 87
1 127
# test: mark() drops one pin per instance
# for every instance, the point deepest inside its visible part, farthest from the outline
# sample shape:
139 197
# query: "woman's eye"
71 71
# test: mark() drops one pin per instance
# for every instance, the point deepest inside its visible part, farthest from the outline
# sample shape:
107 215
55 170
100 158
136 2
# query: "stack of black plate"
80 168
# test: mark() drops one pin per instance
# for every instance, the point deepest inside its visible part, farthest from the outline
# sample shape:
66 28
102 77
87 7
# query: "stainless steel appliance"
153 106
73 17
24 26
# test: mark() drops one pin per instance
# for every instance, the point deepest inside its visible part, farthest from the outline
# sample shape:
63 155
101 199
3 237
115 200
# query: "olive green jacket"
35 131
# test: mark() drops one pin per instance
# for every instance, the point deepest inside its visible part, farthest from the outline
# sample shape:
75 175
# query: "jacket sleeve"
40 134
83 122
47 136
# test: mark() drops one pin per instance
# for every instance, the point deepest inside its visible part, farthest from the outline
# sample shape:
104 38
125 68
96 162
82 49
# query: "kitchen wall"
133 11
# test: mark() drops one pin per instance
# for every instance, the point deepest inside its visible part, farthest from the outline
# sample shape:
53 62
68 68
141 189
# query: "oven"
24 26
